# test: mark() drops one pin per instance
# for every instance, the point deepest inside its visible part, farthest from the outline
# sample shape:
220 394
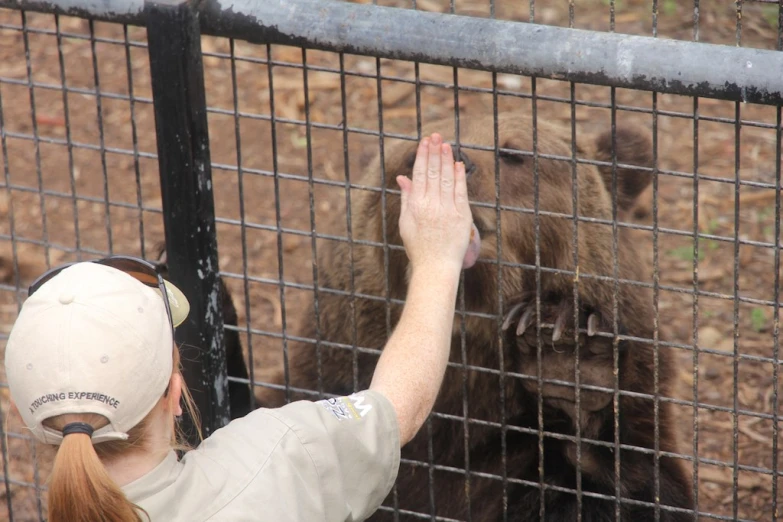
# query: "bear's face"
507 180
525 241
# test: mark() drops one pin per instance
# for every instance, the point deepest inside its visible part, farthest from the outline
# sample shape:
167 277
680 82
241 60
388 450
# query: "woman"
93 368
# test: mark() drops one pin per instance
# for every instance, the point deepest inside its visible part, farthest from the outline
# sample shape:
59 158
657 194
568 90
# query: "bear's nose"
459 155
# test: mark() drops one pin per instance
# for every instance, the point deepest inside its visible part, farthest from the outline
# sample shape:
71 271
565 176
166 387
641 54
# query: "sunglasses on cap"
141 270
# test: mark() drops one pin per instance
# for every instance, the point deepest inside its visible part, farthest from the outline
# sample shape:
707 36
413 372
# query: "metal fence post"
179 100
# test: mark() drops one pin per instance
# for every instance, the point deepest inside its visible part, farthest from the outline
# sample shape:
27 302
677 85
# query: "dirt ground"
112 171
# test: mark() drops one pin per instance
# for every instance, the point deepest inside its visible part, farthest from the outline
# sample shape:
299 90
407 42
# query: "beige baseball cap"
92 339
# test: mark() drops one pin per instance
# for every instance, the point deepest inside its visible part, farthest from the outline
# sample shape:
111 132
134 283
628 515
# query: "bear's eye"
511 157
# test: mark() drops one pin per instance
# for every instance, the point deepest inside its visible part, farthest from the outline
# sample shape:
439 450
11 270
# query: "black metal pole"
188 207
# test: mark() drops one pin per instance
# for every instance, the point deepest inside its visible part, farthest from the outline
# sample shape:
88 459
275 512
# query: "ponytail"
80 488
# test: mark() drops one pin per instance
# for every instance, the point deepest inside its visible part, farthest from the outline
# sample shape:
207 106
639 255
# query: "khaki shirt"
332 460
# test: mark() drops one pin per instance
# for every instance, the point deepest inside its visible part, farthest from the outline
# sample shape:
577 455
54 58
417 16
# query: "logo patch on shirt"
352 407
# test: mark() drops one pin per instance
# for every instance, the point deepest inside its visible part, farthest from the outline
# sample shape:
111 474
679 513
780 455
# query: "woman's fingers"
405 190
436 175
446 174
460 187
419 183
434 166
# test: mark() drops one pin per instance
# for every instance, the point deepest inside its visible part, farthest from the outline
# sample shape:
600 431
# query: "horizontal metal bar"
359 74
120 11
612 59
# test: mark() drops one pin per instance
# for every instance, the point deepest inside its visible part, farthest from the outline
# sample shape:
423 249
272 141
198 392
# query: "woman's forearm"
435 223
411 368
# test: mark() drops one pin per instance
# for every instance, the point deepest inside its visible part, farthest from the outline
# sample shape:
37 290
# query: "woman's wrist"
436 275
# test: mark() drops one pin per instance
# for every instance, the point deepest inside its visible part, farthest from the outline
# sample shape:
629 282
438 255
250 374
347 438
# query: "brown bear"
518 321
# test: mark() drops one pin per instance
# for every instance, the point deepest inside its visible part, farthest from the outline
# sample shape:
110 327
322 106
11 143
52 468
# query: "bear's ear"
633 146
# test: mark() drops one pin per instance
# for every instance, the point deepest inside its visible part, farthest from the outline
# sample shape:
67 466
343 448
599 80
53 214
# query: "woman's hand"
435 220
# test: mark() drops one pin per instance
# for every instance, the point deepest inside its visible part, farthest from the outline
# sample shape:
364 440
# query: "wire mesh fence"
673 286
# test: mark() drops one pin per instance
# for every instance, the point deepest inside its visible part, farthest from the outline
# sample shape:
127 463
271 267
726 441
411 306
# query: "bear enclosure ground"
109 156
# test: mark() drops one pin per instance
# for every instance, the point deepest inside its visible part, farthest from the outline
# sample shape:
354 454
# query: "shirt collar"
160 477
